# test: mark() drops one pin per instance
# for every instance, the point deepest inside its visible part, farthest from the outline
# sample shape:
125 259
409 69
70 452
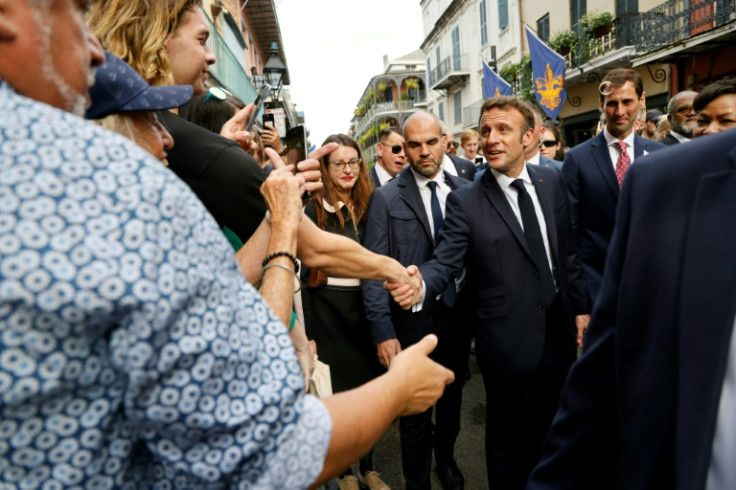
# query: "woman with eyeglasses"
333 307
550 142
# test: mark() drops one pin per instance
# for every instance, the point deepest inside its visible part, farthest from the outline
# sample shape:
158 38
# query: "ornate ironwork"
659 74
575 101
668 23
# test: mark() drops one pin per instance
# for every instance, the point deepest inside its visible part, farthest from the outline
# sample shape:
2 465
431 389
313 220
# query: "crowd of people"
162 273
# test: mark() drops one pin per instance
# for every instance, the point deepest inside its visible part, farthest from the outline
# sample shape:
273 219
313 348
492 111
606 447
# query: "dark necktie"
449 296
434 204
535 242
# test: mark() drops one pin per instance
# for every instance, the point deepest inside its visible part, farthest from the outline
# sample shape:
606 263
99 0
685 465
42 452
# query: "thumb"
412 270
427 344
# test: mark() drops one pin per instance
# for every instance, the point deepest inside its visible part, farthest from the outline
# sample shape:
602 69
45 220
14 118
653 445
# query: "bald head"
425 146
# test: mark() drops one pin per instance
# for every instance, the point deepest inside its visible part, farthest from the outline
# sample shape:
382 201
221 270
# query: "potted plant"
597 24
563 41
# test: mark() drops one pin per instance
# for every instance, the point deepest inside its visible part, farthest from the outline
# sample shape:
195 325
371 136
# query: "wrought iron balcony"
386 109
452 71
669 23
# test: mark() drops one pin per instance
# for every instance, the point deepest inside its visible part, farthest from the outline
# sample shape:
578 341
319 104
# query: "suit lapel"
409 193
602 159
546 200
497 198
707 309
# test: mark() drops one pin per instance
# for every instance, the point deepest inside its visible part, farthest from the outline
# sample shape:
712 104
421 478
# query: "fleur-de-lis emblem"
498 93
549 88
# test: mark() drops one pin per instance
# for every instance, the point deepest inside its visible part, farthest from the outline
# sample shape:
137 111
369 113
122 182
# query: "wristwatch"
283 152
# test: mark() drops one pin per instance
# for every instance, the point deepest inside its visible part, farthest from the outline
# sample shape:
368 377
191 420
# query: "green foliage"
519 76
594 19
563 42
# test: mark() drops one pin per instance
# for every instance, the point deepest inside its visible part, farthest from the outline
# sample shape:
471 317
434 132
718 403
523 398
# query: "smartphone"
258 103
296 144
268 120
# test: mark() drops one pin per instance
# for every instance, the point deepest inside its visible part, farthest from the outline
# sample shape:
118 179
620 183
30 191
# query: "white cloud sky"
333 48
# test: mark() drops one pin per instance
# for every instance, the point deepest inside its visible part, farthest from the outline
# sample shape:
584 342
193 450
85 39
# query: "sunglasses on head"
548 143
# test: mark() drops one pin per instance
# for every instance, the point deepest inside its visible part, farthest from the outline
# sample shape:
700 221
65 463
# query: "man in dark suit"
458 166
510 231
404 219
391 156
682 117
593 170
650 403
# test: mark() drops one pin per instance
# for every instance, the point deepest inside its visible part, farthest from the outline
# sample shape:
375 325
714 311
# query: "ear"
526 139
8 27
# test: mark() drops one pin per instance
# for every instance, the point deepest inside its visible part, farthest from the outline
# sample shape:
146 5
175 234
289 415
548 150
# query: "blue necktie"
434 204
449 296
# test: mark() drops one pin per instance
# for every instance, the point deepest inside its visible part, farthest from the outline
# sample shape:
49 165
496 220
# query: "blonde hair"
136 31
468 134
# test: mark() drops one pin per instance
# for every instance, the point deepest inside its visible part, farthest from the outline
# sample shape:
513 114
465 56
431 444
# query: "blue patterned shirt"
133 353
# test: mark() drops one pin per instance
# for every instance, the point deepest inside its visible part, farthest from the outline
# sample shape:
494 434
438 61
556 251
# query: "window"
439 63
456 48
457 106
441 113
503 13
543 28
429 70
577 10
483 24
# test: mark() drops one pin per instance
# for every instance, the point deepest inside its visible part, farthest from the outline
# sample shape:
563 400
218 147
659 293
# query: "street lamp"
274 70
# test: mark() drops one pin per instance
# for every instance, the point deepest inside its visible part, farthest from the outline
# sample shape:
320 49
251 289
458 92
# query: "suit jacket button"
536 275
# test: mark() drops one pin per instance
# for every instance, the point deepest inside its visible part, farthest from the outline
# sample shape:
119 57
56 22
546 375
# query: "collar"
328 207
504 181
422 181
611 140
448 165
679 137
383 175
535 160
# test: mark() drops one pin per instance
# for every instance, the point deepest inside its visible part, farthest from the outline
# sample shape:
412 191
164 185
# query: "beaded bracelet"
282 266
269 258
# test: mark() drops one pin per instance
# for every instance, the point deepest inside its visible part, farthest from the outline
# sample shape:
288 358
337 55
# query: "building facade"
388 99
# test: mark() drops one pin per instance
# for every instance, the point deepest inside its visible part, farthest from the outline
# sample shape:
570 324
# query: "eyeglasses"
396 149
548 143
451 145
685 109
218 93
340 165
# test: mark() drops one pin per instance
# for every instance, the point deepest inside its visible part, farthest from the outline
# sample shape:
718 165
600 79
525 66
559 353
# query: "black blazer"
374 177
397 225
639 407
592 193
482 233
670 140
465 168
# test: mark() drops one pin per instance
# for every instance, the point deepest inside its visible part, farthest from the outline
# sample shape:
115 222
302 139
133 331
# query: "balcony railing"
451 71
386 108
669 23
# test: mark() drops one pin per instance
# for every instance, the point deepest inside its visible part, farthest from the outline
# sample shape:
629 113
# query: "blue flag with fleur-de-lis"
548 75
494 85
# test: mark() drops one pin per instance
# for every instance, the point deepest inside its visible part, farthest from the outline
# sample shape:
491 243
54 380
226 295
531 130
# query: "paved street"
469 450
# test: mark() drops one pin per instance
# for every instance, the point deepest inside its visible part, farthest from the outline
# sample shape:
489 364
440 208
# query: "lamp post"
274 70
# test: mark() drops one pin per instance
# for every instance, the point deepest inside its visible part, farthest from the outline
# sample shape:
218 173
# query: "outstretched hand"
408 291
282 191
424 379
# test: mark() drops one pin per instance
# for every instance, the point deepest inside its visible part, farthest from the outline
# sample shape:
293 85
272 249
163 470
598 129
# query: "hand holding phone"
257 104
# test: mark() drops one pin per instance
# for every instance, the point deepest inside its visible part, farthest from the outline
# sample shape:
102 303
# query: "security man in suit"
593 171
404 221
391 156
510 231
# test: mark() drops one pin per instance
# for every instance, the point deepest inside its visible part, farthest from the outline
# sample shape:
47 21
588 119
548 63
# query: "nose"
96 52
166 139
209 56
712 128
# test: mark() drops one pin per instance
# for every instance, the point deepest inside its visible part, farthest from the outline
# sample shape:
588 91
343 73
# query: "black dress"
333 317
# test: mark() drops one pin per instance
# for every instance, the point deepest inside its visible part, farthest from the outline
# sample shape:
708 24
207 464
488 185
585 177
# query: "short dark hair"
619 76
711 92
504 102
386 132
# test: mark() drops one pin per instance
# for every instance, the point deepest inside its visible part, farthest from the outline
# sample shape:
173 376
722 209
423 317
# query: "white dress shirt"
722 470
448 166
512 197
613 148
